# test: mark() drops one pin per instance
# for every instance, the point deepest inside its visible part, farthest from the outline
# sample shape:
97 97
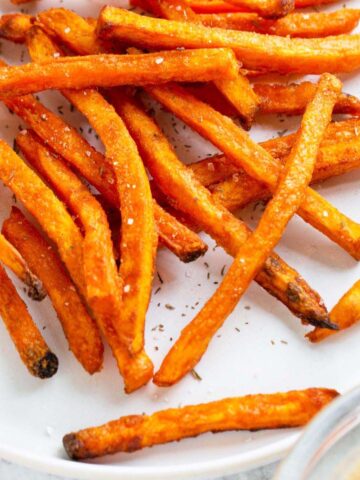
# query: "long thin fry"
242 151
266 8
31 346
138 238
196 336
12 259
255 51
111 70
190 197
46 264
216 6
15 26
252 412
345 314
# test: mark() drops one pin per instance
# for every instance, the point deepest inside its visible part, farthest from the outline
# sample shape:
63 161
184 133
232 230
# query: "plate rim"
88 471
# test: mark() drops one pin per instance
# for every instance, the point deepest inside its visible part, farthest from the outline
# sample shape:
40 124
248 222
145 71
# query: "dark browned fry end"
46 366
35 290
301 300
283 8
191 256
74 447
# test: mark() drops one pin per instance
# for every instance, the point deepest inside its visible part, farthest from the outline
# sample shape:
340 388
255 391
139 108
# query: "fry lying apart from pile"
94 254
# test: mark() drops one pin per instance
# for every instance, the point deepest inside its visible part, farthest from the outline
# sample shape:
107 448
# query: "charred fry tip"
323 323
189 257
73 446
46 366
35 290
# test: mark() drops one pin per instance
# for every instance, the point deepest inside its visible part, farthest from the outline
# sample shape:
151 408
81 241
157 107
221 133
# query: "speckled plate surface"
261 347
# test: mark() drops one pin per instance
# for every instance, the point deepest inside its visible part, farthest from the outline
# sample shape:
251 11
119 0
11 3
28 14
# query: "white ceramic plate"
268 354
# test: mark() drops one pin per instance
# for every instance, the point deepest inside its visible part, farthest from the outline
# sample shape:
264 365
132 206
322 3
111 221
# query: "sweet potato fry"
70 309
111 70
103 286
291 99
345 313
290 191
12 259
31 346
242 151
216 6
254 50
252 412
93 166
15 26
138 234
302 25
187 195
266 8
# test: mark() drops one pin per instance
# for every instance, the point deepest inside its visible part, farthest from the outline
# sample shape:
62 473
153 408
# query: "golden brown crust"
252 412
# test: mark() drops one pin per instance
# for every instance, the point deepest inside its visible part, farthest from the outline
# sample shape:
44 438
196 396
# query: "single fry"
242 151
266 8
290 191
72 313
111 70
291 99
12 259
255 51
30 344
187 195
216 6
93 166
15 26
302 25
252 412
345 314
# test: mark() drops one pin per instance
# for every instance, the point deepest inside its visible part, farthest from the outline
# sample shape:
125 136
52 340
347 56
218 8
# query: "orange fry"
111 70
12 259
216 6
251 412
190 197
138 236
266 8
288 196
345 313
30 344
15 26
242 151
71 311
255 51
291 99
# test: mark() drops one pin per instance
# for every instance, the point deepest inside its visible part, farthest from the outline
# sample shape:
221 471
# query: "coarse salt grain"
67 30
159 60
210 167
130 221
127 288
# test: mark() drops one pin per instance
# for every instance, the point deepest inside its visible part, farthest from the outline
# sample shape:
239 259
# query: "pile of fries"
199 62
